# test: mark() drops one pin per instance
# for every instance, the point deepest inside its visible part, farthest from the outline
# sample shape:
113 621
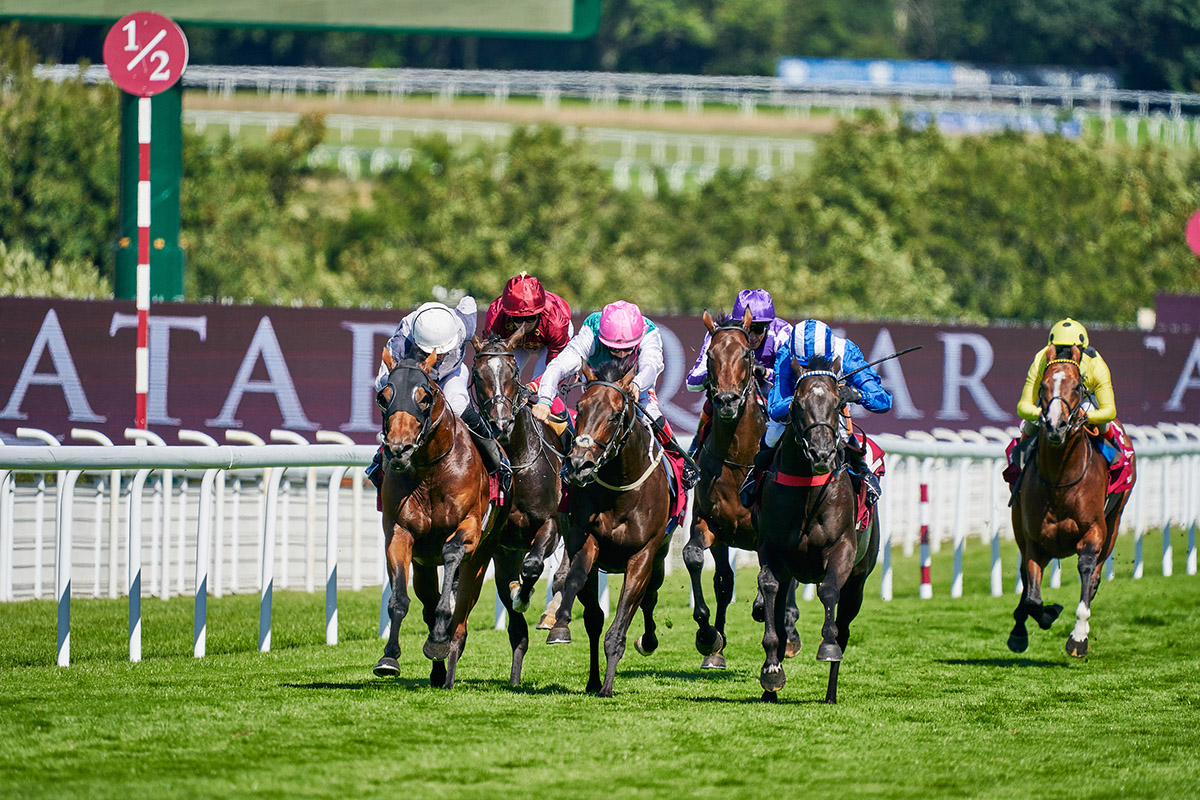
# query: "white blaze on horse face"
1054 413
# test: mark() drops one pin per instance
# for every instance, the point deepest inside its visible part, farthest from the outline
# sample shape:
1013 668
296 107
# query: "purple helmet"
762 308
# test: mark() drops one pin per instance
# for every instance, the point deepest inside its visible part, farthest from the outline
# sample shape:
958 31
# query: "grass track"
932 704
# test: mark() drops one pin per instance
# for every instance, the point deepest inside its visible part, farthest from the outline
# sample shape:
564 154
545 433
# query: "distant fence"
248 489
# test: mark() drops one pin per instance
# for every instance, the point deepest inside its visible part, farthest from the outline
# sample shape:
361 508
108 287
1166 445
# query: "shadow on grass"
755 699
1000 662
384 684
682 674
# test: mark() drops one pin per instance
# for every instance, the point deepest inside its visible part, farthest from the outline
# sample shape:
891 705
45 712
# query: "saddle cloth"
1118 456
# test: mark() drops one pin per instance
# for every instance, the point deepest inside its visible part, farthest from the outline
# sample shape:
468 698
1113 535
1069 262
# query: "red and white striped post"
142 356
926 584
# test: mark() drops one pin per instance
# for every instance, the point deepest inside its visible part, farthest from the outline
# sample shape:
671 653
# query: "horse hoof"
605 691
514 592
436 651
592 688
793 647
829 651
713 661
386 668
1048 615
437 675
772 678
546 622
708 646
1077 649
1018 644
770 697
644 647
559 636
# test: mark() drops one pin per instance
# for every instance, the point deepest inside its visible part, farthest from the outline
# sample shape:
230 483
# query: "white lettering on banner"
671 380
362 373
953 381
265 345
159 341
50 337
1189 378
891 375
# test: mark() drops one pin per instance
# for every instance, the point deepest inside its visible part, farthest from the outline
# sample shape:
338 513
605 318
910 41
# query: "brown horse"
618 518
435 512
807 526
1059 509
719 520
534 524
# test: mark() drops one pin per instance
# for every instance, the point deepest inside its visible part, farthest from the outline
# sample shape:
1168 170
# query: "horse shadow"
1000 662
411 684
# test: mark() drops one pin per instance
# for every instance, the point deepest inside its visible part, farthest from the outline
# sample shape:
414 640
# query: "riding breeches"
454 386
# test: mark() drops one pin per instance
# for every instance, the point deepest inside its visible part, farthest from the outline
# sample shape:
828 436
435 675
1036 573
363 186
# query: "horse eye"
381 399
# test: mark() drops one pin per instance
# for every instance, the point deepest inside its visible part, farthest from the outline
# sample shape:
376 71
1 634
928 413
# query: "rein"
1075 421
615 444
515 408
426 431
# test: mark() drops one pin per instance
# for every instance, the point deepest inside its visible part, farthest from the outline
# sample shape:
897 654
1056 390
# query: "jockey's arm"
650 361
1027 407
875 398
467 313
1099 382
780 398
699 374
565 364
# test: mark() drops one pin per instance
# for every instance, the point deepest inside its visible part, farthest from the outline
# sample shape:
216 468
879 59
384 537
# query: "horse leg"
723 588
425 585
633 588
470 582
708 639
556 587
771 677
838 563
1089 577
577 575
518 629
593 622
535 561
1044 615
789 621
647 643
849 604
437 646
399 555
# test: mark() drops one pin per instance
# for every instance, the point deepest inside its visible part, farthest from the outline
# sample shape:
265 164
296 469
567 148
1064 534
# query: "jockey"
767 334
811 339
619 331
524 300
1097 381
436 328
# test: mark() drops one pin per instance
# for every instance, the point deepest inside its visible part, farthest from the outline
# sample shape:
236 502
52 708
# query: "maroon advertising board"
214 368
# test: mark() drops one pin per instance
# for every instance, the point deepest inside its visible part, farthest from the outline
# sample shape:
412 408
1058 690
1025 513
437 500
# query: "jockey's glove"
847 394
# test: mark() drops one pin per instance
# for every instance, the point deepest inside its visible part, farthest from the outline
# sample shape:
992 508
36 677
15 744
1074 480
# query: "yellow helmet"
1068 332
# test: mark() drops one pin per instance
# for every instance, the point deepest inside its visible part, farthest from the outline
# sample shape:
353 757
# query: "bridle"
408 405
801 436
748 386
616 442
514 406
1075 422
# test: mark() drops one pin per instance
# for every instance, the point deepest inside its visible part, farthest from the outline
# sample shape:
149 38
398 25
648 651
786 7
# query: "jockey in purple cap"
767 334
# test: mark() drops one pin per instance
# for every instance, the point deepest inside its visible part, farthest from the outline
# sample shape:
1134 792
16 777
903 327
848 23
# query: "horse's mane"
492 339
819 362
613 371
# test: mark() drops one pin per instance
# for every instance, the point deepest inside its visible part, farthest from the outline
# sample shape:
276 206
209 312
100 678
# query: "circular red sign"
1193 233
145 53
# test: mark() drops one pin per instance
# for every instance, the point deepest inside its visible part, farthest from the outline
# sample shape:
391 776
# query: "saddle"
1120 465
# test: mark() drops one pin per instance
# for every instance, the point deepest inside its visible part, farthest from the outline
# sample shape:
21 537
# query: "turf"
931 704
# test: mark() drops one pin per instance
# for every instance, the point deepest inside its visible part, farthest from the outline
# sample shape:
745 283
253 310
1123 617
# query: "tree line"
887 223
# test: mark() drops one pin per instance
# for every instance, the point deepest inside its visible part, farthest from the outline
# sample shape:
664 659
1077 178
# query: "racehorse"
534 524
719 520
435 511
620 503
807 529
1060 506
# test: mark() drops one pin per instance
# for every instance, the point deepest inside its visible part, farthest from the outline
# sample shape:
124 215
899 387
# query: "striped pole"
926 585
142 358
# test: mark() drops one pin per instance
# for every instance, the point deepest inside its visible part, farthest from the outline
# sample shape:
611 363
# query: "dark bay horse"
620 504
719 520
1059 509
534 524
806 526
435 512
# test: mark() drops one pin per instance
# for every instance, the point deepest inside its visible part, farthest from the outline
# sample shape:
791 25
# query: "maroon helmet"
523 296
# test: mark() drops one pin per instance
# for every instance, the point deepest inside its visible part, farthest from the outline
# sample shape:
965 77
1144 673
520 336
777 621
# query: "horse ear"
389 360
519 334
1076 354
796 368
747 318
476 343
627 379
427 364
836 366
708 321
589 373
1049 352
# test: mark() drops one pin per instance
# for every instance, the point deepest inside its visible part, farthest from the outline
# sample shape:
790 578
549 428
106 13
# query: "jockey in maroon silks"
767 333
525 300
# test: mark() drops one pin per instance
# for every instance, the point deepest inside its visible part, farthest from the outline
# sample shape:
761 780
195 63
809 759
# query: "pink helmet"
621 325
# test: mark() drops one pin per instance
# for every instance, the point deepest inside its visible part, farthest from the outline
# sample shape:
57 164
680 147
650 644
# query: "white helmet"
435 328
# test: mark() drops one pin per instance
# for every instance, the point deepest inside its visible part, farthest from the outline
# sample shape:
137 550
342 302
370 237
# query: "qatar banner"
214 368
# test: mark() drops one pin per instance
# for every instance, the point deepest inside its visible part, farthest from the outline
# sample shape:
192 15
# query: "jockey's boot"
701 430
494 459
662 432
858 463
374 470
762 462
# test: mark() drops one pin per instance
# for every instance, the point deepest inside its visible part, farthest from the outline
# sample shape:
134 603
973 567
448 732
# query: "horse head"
496 380
730 366
1062 393
813 415
410 404
604 419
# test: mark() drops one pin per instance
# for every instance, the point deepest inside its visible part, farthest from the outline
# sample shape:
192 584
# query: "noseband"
404 402
1075 420
614 444
801 436
488 403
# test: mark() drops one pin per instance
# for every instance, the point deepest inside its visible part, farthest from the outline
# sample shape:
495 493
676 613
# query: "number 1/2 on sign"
161 72
145 53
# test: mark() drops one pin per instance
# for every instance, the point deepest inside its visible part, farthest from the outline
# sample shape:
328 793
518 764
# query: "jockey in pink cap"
618 332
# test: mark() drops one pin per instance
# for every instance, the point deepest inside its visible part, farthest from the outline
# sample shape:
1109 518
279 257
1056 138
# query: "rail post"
114 510
62 565
926 590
